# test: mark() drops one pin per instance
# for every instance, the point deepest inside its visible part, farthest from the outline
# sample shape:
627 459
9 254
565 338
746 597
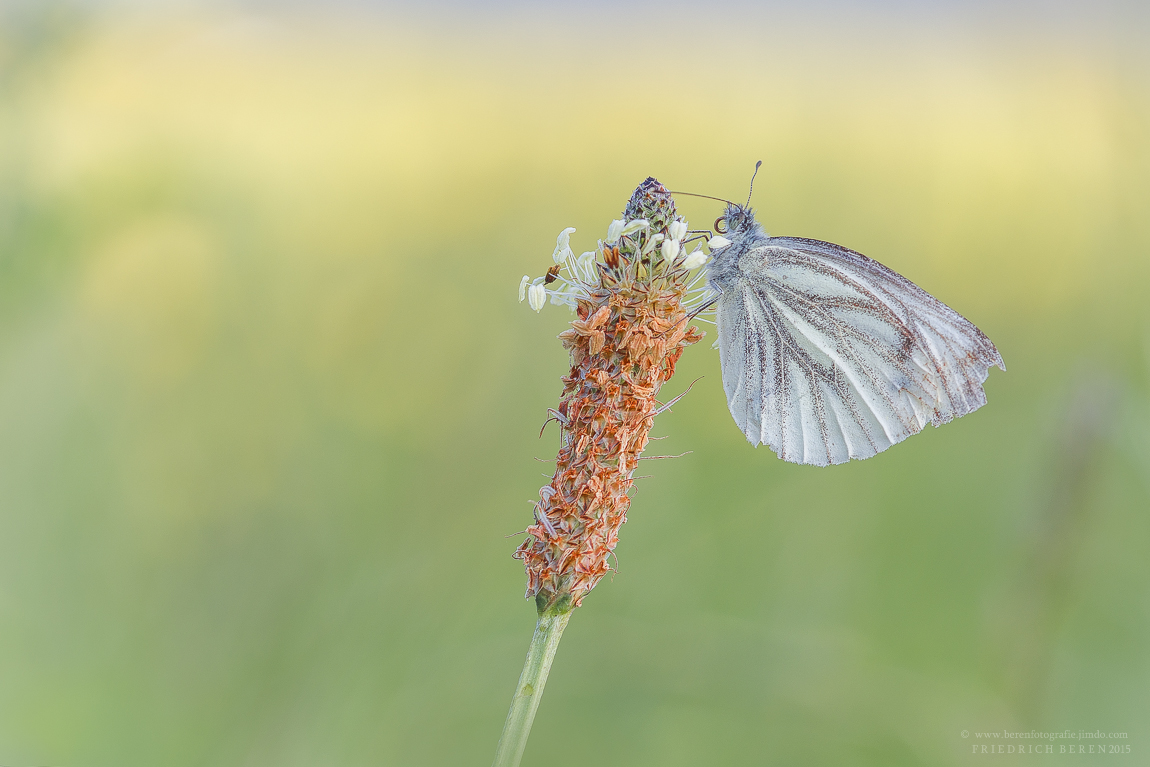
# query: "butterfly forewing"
828 355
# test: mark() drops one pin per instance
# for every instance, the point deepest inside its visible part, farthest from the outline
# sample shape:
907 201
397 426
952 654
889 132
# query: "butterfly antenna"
707 196
752 189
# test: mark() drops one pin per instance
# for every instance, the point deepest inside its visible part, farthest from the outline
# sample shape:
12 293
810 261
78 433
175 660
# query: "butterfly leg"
702 308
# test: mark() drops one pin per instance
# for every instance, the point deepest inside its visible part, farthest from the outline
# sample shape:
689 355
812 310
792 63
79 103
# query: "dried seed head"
630 329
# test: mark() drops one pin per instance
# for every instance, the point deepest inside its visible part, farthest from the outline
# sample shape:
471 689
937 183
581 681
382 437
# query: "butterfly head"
736 219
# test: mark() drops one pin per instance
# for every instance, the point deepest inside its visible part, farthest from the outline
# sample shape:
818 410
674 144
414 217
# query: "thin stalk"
544 643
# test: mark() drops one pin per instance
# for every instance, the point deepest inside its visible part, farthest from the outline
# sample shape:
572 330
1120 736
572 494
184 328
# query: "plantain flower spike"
632 323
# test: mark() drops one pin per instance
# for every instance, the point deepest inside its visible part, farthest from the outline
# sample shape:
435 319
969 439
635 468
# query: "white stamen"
718 241
523 287
536 296
614 231
678 229
563 246
671 248
634 226
695 259
564 239
586 264
693 285
649 246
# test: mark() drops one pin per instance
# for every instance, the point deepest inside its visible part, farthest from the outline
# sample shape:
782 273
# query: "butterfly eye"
721 225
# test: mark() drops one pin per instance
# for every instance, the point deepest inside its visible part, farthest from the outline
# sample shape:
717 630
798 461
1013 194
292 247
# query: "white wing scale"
828 355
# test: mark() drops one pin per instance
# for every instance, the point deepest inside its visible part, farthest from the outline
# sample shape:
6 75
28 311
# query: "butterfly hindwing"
828 355
958 355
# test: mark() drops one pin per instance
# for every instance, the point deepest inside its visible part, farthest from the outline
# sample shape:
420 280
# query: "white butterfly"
828 355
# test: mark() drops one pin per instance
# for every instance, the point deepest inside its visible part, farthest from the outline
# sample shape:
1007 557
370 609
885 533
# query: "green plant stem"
544 643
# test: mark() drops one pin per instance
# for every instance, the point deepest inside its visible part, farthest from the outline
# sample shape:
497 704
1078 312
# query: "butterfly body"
828 355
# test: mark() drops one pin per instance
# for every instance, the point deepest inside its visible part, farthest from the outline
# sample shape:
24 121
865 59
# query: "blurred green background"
268 406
